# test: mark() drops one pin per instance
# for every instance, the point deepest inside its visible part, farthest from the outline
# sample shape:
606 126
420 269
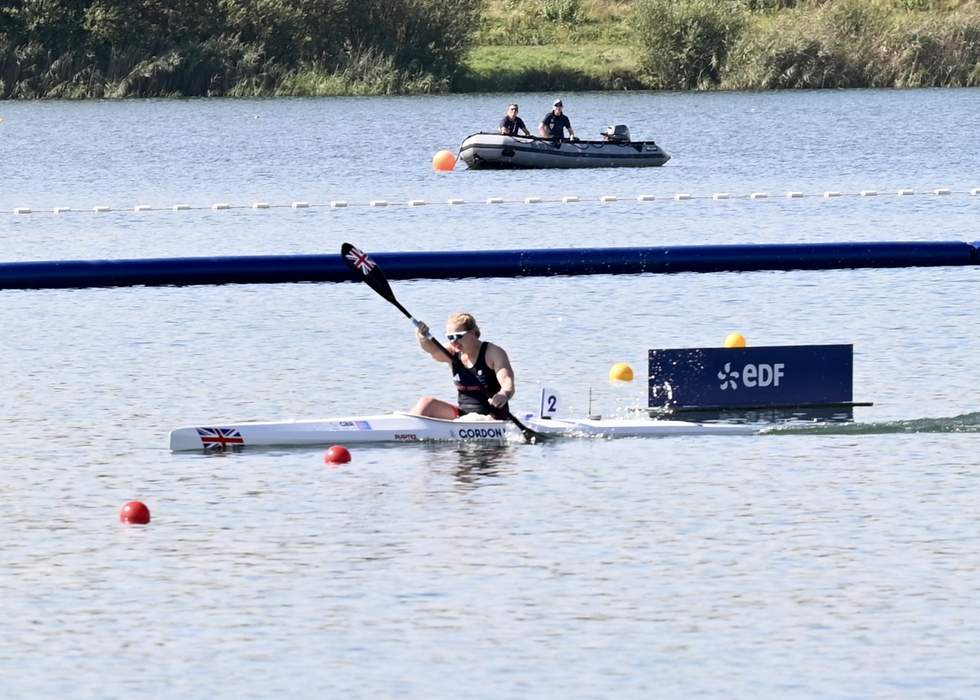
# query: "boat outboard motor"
620 133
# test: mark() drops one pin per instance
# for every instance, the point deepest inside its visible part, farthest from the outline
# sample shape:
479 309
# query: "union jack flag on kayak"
219 438
360 260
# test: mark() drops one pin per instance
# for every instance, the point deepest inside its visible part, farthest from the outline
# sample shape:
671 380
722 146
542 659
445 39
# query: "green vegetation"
552 67
725 44
854 43
685 45
553 45
121 48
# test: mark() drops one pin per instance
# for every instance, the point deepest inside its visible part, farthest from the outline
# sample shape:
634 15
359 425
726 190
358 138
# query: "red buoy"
135 513
338 454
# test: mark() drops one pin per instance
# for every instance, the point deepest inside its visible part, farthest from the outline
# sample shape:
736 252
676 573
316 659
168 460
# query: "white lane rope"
456 201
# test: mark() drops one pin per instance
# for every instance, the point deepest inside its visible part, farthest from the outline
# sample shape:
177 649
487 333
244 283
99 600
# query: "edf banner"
776 375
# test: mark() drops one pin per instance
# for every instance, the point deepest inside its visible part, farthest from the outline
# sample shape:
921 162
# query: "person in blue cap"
555 122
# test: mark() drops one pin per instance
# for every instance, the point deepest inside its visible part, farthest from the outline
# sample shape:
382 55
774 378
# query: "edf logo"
752 375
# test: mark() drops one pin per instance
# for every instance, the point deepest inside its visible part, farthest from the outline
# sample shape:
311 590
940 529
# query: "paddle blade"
367 270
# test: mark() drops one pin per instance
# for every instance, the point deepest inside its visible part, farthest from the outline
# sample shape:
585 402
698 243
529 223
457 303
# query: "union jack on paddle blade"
360 260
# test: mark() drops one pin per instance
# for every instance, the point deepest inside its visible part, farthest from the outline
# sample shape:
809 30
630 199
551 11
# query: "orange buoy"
444 161
135 513
338 454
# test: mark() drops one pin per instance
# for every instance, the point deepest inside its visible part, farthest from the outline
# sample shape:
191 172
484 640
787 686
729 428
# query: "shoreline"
565 45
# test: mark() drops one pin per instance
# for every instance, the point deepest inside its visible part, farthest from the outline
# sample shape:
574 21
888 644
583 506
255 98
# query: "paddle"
367 270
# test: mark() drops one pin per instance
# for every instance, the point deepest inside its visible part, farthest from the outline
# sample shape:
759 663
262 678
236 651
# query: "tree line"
143 48
122 48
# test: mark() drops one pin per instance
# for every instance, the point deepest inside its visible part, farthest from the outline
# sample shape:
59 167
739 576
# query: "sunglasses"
453 337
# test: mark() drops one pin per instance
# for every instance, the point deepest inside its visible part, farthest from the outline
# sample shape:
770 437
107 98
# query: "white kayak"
407 427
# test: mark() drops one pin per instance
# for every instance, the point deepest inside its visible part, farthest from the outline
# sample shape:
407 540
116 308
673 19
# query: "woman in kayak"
481 371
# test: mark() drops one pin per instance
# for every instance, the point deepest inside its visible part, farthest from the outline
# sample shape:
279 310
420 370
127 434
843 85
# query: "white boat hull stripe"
405 427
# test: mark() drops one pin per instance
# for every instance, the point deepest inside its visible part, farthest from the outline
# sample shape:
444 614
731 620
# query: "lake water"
842 563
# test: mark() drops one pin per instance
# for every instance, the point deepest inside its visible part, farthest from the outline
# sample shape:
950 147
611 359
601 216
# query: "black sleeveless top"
475 385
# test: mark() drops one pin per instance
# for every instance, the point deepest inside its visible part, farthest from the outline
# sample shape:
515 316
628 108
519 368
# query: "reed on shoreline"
736 45
852 43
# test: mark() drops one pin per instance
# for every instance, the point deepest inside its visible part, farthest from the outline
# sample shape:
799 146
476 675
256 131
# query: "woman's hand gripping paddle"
367 270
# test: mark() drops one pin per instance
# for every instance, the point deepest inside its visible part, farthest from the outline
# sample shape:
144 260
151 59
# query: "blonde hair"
464 322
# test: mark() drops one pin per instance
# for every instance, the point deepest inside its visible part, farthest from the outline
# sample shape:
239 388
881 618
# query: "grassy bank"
587 66
553 45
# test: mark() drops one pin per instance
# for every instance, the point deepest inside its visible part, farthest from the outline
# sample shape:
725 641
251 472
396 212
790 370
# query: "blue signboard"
787 375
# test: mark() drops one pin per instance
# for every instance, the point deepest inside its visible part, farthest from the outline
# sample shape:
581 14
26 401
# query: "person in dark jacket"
511 124
555 122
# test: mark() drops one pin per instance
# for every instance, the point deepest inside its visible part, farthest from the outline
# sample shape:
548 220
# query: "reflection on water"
476 463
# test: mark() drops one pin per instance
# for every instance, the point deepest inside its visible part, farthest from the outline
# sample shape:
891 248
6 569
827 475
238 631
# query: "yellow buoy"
621 372
444 161
735 340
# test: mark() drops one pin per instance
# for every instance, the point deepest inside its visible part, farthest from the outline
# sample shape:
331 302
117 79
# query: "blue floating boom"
273 269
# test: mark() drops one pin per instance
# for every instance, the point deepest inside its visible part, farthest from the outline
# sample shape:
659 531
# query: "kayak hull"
406 427
486 151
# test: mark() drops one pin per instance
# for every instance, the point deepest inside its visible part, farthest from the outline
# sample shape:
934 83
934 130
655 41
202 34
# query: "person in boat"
555 123
511 124
481 371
